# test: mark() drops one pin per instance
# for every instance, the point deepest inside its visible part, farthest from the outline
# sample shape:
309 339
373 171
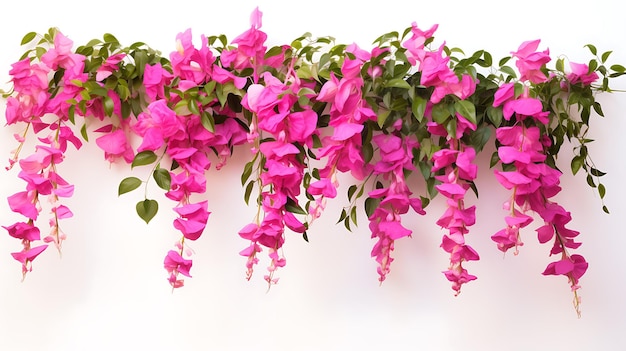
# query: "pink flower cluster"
434 67
533 183
458 172
277 126
348 112
185 140
275 117
31 104
396 157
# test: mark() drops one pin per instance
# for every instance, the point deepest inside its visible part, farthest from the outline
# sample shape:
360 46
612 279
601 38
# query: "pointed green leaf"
293 207
83 132
576 164
248 192
247 171
601 190
419 107
128 184
592 49
351 191
353 216
466 109
28 38
398 83
208 122
147 209
144 158
163 178
382 117
108 106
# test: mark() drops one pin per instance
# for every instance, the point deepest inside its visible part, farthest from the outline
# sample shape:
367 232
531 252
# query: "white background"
109 290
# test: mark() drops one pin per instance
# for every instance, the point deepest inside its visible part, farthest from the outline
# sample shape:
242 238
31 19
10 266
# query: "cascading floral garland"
309 111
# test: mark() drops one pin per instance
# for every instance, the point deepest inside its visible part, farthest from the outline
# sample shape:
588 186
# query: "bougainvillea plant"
307 112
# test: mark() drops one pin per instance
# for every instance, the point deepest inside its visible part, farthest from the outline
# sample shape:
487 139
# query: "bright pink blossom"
580 74
27 256
193 219
530 62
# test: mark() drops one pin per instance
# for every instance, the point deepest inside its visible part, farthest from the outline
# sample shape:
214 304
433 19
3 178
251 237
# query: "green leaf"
601 190
128 184
495 115
28 38
480 137
370 206
596 172
592 49
605 56
108 106
508 70
419 107
248 191
353 216
466 109
440 113
208 122
147 209
576 164
398 83
192 105
293 207
110 38
83 132
163 178
342 216
144 158
274 51
247 171
351 191
382 117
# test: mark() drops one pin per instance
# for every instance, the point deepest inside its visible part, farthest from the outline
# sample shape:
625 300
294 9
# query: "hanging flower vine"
307 112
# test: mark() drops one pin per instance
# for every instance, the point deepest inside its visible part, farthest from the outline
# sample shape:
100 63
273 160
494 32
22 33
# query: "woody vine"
307 112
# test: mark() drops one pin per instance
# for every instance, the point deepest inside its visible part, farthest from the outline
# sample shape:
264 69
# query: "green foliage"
147 209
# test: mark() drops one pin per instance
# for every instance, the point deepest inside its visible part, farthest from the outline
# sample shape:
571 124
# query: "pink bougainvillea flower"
155 78
27 256
41 159
575 265
415 44
23 231
193 219
256 18
531 62
580 74
323 187
505 92
115 145
23 203
61 55
109 66
175 264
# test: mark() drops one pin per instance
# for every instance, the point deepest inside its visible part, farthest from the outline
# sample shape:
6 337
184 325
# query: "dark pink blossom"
23 231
